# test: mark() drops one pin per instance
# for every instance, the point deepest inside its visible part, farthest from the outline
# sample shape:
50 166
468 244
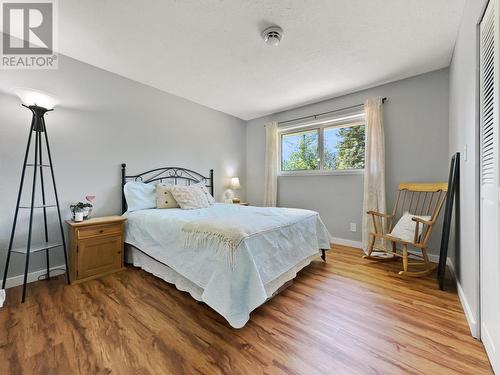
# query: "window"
334 146
300 151
344 147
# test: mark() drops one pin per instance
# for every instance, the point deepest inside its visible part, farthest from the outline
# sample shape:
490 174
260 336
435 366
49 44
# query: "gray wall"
104 120
416 131
464 97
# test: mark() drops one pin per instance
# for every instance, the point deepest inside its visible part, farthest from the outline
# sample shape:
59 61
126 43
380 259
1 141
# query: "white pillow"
139 196
189 197
210 198
405 227
164 197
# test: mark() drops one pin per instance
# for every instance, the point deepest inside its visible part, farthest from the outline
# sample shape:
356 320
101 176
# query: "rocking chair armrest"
374 214
426 222
378 214
417 239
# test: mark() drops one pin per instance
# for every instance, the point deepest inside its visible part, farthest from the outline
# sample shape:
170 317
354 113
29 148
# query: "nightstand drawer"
101 230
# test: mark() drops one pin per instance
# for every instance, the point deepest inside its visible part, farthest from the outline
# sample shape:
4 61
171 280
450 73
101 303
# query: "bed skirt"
139 258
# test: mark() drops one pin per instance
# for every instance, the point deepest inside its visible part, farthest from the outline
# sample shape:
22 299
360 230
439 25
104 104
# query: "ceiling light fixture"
273 35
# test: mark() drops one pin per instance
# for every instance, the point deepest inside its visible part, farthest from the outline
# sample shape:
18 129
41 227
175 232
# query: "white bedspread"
259 259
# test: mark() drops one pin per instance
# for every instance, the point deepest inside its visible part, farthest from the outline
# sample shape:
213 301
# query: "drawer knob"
119 252
101 231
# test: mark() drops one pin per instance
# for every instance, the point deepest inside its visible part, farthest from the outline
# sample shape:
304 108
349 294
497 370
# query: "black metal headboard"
175 174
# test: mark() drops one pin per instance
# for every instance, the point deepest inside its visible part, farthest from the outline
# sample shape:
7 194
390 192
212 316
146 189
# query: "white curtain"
271 166
374 180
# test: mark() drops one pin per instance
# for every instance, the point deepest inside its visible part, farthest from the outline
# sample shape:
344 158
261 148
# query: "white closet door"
489 183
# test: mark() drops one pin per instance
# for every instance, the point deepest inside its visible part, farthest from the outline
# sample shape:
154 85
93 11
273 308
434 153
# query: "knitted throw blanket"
225 234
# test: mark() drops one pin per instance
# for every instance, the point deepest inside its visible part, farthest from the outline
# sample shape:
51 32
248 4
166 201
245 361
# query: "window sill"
322 173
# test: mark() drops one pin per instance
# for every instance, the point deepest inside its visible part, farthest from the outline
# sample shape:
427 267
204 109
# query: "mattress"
263 262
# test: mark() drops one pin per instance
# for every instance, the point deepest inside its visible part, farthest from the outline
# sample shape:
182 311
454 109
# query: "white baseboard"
473 326
471 320
32 276
489 346
344 242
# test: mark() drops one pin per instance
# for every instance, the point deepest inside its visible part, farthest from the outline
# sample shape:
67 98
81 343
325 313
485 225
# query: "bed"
282 241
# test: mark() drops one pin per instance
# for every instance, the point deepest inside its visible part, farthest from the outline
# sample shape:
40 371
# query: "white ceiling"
211 51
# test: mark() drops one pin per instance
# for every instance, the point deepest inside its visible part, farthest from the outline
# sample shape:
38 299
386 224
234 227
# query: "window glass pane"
344 148
299 151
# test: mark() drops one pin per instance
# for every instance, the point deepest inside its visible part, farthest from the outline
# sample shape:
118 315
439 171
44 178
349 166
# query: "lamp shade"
36 97
235 183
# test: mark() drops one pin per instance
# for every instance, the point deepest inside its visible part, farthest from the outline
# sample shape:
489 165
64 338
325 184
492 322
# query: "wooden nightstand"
95 247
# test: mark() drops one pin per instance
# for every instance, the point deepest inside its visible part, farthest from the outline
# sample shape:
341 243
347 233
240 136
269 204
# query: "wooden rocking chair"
417 199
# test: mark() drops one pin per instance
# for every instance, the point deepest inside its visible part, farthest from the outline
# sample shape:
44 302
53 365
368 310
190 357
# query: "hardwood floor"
348 316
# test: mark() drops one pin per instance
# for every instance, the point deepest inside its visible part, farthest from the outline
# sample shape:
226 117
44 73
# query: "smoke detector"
273 35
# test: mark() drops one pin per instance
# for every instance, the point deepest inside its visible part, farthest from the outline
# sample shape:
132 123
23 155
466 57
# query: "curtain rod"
324 113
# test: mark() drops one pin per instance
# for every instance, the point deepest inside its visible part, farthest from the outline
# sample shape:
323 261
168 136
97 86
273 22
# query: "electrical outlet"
353 227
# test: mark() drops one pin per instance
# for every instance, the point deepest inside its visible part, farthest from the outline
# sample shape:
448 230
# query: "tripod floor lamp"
38 103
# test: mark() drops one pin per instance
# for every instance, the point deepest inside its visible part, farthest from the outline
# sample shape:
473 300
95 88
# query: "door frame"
478 167
476 332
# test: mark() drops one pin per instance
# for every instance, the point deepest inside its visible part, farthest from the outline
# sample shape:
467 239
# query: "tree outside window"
343 149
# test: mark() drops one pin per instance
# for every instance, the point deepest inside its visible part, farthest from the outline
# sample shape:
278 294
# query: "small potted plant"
77 213
84 208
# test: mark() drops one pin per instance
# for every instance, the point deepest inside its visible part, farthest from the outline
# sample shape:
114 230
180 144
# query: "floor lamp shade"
38 102
39 98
